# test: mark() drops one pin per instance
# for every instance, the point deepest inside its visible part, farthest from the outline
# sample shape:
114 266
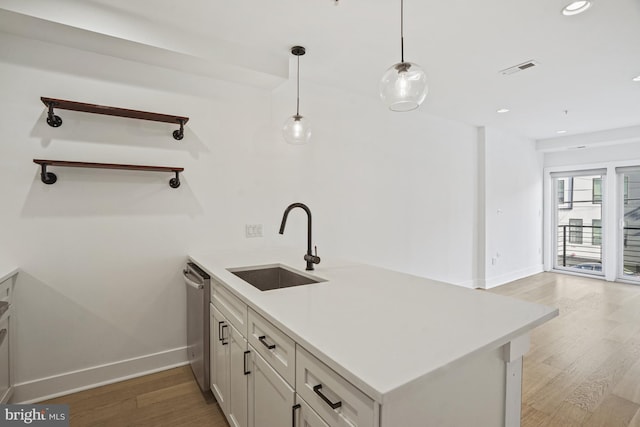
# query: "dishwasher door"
198 284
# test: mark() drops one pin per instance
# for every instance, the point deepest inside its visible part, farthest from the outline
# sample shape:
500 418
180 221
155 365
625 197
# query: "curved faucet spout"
309 257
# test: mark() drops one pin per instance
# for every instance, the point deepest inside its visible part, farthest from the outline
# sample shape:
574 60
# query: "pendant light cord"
402 30
298 89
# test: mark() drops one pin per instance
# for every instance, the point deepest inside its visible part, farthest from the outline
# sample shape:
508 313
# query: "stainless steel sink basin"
267 278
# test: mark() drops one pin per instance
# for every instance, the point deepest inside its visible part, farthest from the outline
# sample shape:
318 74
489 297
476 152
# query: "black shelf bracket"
53 120
179 134
47 177
175 182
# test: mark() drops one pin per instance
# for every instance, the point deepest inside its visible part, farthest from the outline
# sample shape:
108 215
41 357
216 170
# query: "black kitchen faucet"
309 257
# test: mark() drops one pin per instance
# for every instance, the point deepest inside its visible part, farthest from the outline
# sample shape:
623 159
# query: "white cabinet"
230 306
274 346
304 416
336 400
219 360
271 399
262 378
229 369
237 379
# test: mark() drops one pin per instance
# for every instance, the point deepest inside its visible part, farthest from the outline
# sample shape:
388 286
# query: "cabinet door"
307 417
219 355
238 380
271 399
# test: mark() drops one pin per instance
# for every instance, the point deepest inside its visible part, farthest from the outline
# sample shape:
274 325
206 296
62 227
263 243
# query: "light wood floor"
168 398
583 368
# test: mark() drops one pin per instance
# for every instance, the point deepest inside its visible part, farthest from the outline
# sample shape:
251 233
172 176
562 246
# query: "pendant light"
404 85
296 129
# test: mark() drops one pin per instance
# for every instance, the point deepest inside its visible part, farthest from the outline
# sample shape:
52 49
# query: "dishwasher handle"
186 275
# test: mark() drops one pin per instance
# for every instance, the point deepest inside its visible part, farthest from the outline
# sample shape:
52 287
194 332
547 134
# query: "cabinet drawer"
230 306
337 401
273 345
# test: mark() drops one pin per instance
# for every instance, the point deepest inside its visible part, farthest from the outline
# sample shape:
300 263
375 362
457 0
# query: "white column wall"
512 208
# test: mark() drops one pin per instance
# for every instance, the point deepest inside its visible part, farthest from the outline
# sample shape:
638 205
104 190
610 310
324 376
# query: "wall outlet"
253 230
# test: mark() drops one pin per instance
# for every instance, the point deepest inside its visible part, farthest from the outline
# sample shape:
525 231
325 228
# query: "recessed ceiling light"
636 79
502 110
561 131
576 7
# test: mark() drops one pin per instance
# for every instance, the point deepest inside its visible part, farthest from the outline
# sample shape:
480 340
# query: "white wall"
512 208
101 251
395 190
593 155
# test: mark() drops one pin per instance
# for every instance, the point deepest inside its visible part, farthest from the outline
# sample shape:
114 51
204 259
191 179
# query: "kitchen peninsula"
375 347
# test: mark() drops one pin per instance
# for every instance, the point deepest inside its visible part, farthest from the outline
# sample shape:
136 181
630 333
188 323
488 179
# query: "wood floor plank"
629 386
167 398
602 380
613 412
531 417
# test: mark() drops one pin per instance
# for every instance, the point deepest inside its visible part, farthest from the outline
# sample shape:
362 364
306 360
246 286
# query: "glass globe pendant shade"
403 86
296 130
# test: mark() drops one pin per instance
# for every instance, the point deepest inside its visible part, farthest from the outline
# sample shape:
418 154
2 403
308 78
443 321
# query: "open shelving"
50 178
55 121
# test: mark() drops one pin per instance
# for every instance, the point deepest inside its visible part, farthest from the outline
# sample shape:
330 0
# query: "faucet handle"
315 259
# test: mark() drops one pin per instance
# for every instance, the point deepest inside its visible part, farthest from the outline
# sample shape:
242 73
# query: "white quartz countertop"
380 329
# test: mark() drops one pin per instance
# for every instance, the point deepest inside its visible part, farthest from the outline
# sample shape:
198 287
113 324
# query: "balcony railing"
580 246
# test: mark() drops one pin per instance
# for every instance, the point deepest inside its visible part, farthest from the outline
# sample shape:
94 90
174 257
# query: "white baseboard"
492 282
84 379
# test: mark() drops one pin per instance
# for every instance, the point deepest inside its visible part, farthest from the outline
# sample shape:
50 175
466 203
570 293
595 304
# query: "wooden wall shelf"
51 178
56 121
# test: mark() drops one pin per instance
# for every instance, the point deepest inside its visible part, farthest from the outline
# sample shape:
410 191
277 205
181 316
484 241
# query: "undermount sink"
269 277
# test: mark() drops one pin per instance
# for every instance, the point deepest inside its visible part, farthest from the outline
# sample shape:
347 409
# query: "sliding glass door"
629 202
578 224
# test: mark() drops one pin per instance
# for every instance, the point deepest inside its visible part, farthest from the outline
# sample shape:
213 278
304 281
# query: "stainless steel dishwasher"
198 284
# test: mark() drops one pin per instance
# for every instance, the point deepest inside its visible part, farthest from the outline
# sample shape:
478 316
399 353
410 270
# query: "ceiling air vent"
519 67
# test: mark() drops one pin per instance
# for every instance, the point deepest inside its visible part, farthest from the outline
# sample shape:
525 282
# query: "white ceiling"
587 61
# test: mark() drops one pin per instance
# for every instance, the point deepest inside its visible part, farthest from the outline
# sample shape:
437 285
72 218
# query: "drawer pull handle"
222 338
246 371
294 408
263 340
220 331
3 335
317 389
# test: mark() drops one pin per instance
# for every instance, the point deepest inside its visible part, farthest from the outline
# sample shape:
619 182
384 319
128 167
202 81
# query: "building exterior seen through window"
631 224
580 231
579 223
